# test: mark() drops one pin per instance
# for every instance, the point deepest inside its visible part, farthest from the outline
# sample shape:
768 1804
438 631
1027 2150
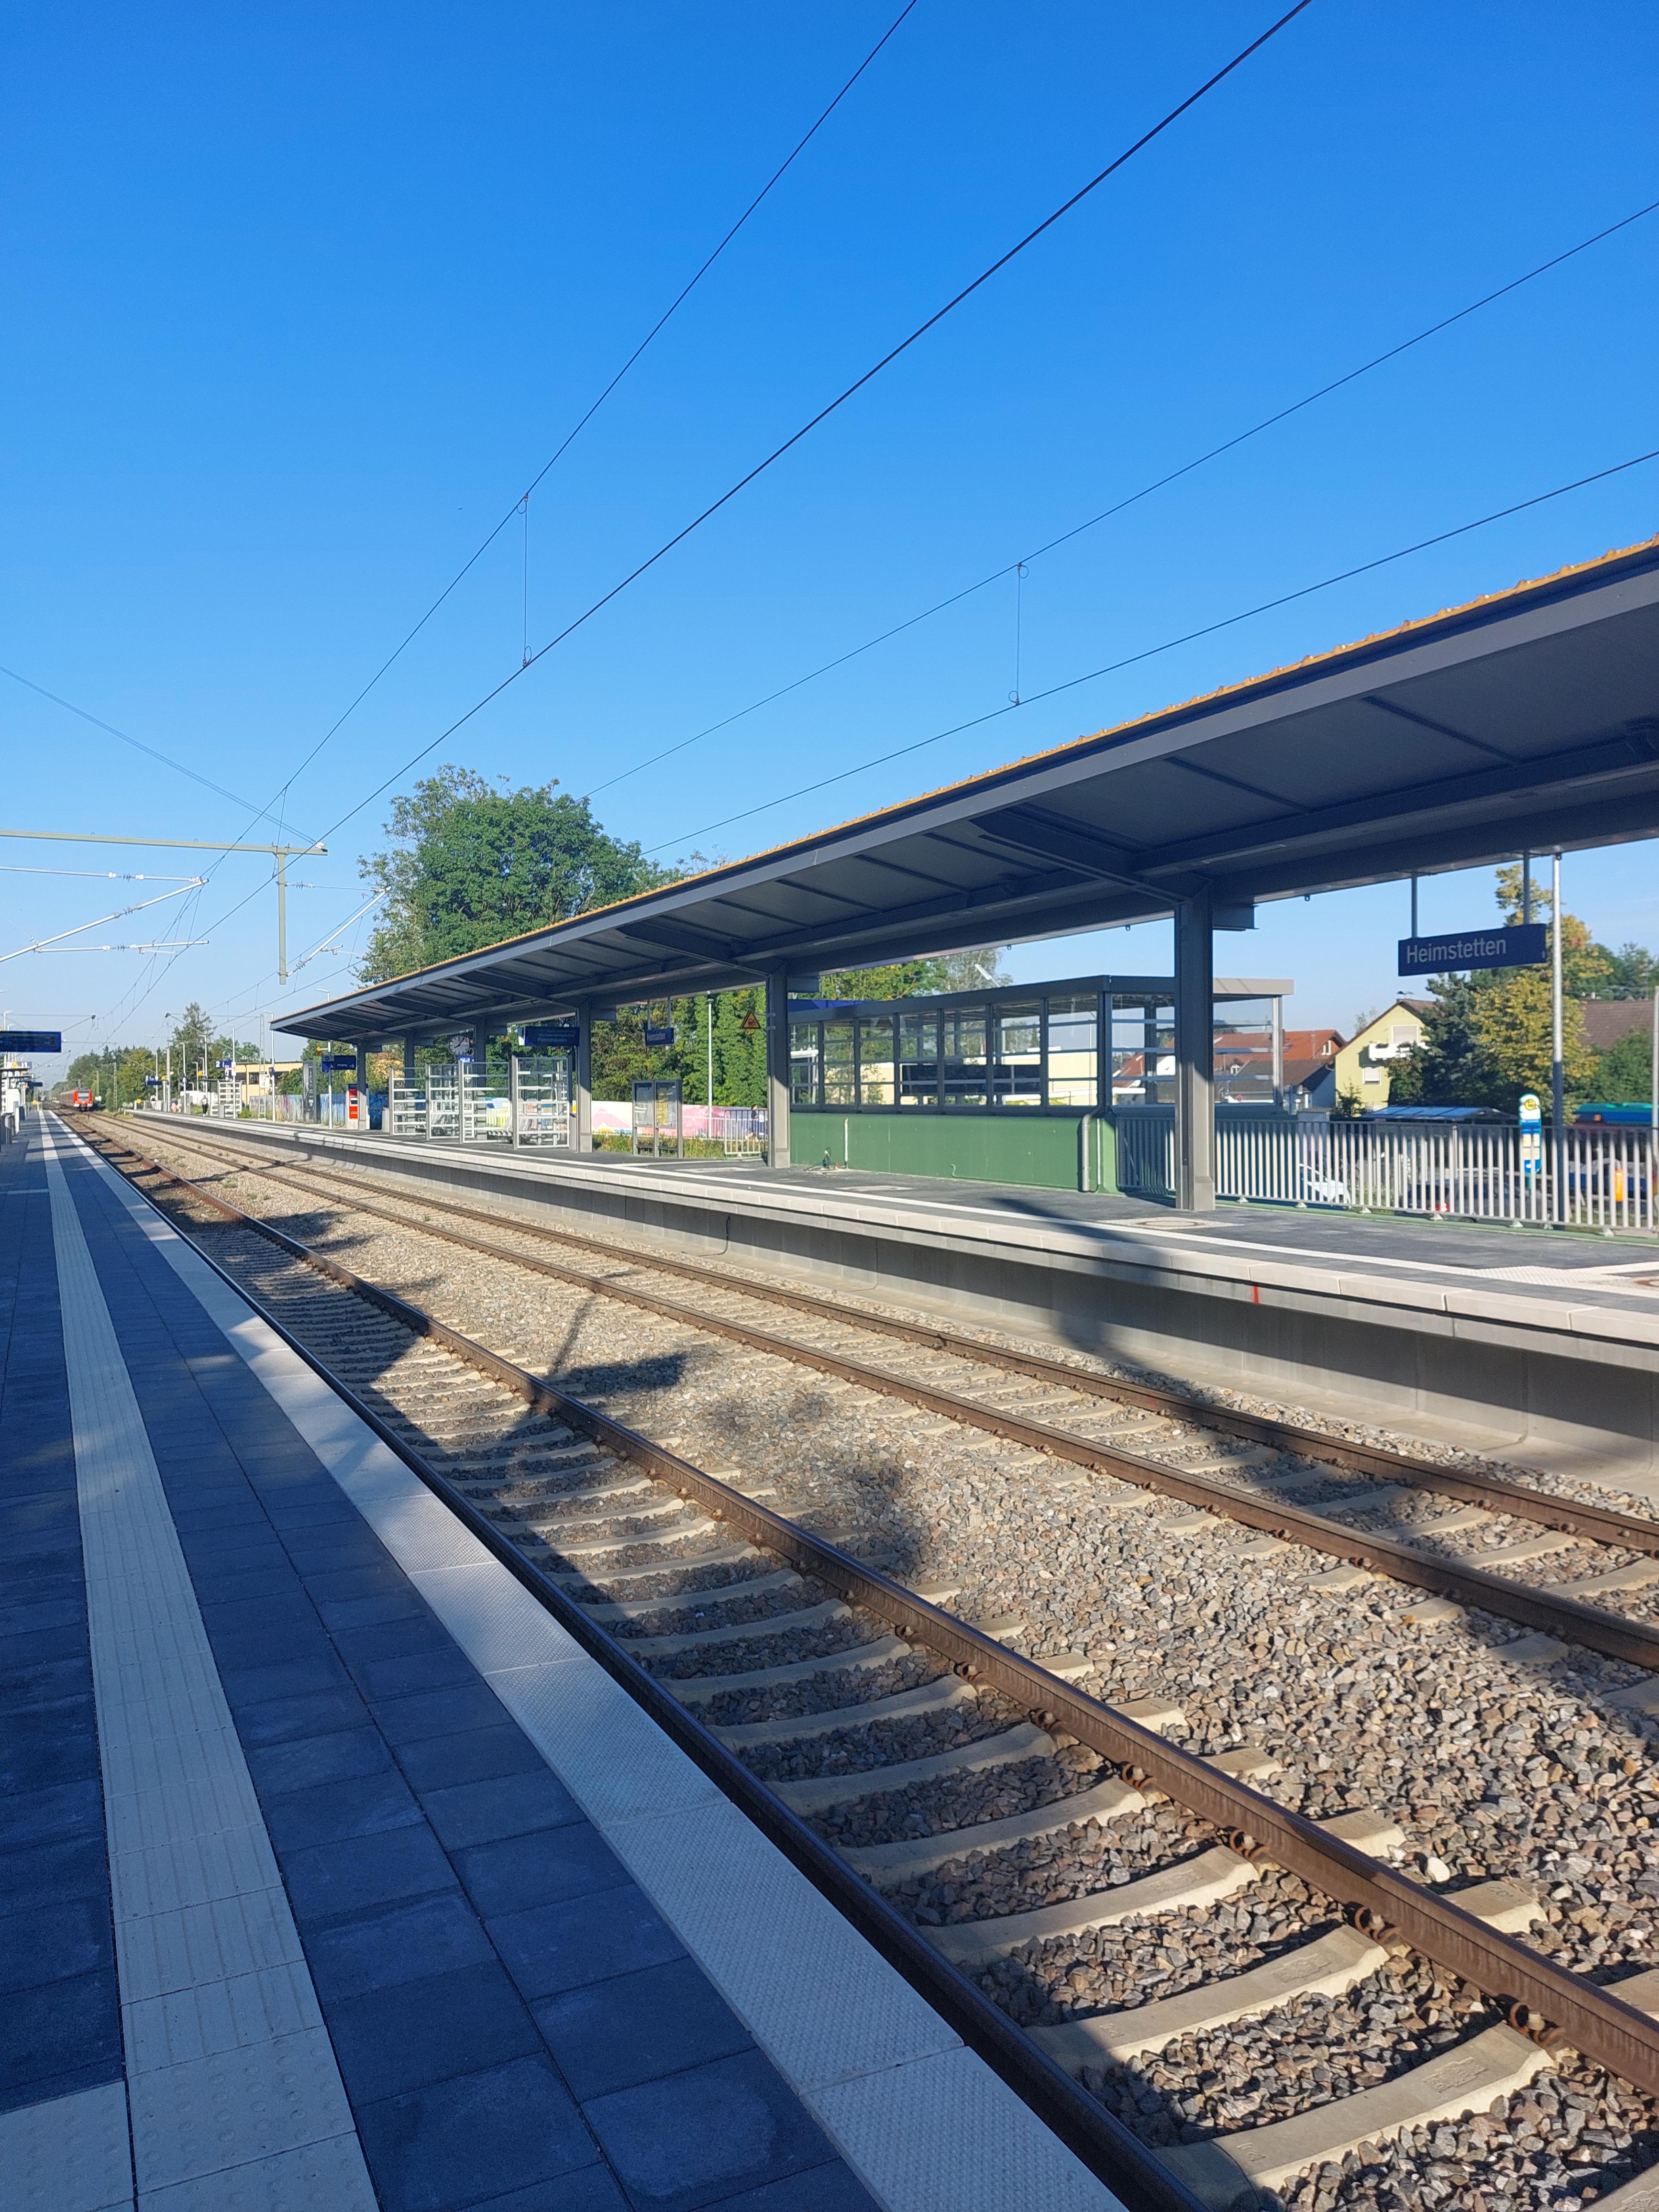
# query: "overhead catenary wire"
1133 499
582 421
260 813
460 575
1169 644
42 943
893 354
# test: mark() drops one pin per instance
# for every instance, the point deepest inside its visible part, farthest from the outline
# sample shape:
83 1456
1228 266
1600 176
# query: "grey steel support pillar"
513 1095
410 1043
777 1068
581 1083
362 1069
1195 1054
1278 1039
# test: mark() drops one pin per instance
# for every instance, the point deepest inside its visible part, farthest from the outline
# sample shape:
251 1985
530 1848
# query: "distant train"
81 1098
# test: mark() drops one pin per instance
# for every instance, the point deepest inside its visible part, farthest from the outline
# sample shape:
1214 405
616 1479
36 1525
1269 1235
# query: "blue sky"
300 299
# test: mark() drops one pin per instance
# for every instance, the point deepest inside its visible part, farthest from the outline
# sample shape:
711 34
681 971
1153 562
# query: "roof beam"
1029 830
679 939
1633 750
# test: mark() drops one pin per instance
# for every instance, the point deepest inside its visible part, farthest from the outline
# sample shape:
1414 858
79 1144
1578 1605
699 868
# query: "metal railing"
1596 1176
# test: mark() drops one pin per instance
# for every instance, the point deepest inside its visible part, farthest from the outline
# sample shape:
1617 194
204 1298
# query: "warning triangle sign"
750 1020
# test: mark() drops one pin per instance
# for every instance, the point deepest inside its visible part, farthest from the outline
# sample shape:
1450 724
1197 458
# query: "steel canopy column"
408 1059
582 1083
777 1068
1194 1052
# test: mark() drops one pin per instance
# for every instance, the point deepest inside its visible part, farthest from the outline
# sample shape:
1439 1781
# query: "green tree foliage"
622 1057
1624 1072
1633 973
115 1074
476 863
978 969
192 1045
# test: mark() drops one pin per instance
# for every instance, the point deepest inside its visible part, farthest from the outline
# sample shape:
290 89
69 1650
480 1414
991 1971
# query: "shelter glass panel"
839 1079
1244 1051
1074 1052
1017 1072
876 1060
805 1059
964 1056
1143 1052
917 1060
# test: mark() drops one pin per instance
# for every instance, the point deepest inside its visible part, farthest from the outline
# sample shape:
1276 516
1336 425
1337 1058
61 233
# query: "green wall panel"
1037 1149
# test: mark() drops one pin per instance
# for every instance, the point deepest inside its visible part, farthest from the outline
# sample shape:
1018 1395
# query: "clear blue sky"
299 298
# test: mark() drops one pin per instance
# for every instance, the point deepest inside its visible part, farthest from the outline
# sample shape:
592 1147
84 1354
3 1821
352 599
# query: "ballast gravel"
1493 1767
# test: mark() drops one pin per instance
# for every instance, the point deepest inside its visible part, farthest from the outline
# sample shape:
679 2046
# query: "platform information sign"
1515 945
31 1040
659 1033
551 1036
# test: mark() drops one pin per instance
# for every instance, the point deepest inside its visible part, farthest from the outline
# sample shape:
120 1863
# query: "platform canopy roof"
1527 719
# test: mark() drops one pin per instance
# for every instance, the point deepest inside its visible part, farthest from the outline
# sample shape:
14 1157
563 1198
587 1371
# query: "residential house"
1363 1065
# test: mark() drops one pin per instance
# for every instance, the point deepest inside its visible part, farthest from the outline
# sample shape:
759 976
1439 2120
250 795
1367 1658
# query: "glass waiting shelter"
1011 1049
1017 1083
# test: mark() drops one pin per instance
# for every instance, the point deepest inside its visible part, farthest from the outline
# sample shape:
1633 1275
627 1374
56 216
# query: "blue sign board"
31 1040
1512 945
655 1035
551 1036
338 1063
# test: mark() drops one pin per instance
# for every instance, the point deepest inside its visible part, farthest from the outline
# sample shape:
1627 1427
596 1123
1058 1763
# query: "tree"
1633 973
1516 1031
191 1045
978 969
1451 1067
1624 1072
479 863
622 1057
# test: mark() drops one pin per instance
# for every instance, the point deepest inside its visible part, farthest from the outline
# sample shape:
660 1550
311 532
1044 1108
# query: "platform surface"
1577 1284
332 1872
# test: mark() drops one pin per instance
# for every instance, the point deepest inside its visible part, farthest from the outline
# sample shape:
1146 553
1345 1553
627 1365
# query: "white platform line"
925 2124
230 2068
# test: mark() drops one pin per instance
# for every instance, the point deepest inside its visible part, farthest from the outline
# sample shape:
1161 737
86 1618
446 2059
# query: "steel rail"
1611 1634
1557 2002
1603 1524
1095 2135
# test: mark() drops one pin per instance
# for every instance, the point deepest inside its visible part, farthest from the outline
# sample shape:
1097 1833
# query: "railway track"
1363 1505
997 1830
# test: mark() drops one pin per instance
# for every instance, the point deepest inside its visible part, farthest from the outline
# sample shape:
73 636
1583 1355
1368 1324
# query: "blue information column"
1532 1141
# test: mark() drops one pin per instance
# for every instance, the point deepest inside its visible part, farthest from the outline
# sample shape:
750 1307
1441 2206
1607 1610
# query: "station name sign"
551 1036
31 1040
1518 944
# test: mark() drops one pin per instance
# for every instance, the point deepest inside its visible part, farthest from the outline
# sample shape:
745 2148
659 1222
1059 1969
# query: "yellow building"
1363 1063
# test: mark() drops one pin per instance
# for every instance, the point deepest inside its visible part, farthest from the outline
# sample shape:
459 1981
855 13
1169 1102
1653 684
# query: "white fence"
1599 1176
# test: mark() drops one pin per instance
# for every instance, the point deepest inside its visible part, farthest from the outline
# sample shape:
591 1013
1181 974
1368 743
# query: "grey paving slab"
68 2153
189 1835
